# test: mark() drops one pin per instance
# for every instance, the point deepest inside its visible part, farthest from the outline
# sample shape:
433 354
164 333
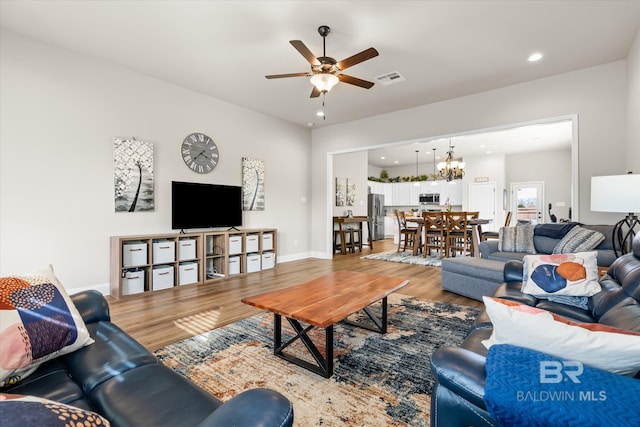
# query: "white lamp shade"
615 193
324 82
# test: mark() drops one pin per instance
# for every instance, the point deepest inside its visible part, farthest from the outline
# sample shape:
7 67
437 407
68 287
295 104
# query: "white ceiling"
517 140
444 49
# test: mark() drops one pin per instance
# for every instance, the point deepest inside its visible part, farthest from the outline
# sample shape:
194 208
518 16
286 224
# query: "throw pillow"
19 411
38 322
561 274
599 346
578 239
517 239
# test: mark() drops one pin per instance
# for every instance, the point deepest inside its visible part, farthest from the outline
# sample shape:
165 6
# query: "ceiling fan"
324 69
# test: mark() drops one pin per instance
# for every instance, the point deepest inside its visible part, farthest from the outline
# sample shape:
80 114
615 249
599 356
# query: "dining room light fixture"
618 193
451 168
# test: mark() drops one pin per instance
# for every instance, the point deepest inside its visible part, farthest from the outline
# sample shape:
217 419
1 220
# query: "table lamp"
618 193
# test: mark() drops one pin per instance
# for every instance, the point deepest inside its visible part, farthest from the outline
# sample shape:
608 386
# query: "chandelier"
451 168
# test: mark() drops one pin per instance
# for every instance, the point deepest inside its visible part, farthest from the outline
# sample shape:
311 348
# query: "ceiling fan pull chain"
324 113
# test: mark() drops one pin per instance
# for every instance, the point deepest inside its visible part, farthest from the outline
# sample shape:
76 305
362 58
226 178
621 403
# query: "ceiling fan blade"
355 81
357 58
280 76
304 51
315 93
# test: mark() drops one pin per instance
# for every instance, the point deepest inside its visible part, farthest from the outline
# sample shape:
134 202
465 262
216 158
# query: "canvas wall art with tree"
133 175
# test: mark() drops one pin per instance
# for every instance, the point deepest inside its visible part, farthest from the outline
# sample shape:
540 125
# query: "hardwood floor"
164 317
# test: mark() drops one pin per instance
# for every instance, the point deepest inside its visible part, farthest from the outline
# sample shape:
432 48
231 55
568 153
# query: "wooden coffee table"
321 303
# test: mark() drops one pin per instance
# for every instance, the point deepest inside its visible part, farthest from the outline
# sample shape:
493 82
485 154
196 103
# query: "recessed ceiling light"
488 152
482 146
382 157
534 57
396 162
320 113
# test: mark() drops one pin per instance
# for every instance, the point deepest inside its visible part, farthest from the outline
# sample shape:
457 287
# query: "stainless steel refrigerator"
376 213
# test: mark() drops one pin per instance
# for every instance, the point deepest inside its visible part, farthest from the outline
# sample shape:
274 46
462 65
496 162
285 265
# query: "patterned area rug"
406 257
378 380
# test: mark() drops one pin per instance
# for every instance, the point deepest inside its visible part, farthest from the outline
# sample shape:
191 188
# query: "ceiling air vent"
390 78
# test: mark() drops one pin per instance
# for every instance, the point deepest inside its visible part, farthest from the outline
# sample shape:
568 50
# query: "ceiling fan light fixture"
324 82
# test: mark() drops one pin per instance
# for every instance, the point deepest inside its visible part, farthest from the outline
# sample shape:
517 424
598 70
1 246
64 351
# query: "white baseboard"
104 289
293 257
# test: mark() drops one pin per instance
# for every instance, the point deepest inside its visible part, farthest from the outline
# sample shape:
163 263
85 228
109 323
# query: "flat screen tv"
195 205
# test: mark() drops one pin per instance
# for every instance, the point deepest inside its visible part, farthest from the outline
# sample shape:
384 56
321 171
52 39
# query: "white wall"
59 113
551 167
598 95
633 108
354 167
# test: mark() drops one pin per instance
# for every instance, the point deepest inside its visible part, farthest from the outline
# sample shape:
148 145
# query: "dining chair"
494 234
434 233
473 215
458 233
406 234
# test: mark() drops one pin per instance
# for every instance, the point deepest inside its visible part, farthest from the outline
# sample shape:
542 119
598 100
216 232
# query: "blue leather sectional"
122 381
457 399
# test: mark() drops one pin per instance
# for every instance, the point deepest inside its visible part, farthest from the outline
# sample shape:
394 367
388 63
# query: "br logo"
553 372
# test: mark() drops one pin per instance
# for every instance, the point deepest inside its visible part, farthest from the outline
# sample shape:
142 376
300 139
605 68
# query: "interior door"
482 198
527 202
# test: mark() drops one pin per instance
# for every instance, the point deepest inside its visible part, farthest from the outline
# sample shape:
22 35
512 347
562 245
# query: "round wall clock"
200 153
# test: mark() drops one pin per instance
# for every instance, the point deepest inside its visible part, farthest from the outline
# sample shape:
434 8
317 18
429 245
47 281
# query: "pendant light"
417 183
434 168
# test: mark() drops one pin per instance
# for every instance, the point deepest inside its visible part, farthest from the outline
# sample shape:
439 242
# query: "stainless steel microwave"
430 199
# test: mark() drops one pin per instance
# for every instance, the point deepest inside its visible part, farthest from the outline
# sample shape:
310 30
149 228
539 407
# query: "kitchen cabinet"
383 188
388 193
376 187
401 195
414 193
451 191
390 226
429 187
408 194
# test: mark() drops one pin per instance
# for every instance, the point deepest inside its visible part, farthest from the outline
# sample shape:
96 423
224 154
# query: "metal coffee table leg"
323 366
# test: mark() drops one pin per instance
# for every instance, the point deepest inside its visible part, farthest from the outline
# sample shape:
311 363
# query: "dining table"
476 227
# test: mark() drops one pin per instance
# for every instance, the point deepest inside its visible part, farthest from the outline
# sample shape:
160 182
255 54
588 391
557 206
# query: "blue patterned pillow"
18 411
38 322
574 274
579 239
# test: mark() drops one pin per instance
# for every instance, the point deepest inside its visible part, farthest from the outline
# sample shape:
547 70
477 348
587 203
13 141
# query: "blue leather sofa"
122 381
457 398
